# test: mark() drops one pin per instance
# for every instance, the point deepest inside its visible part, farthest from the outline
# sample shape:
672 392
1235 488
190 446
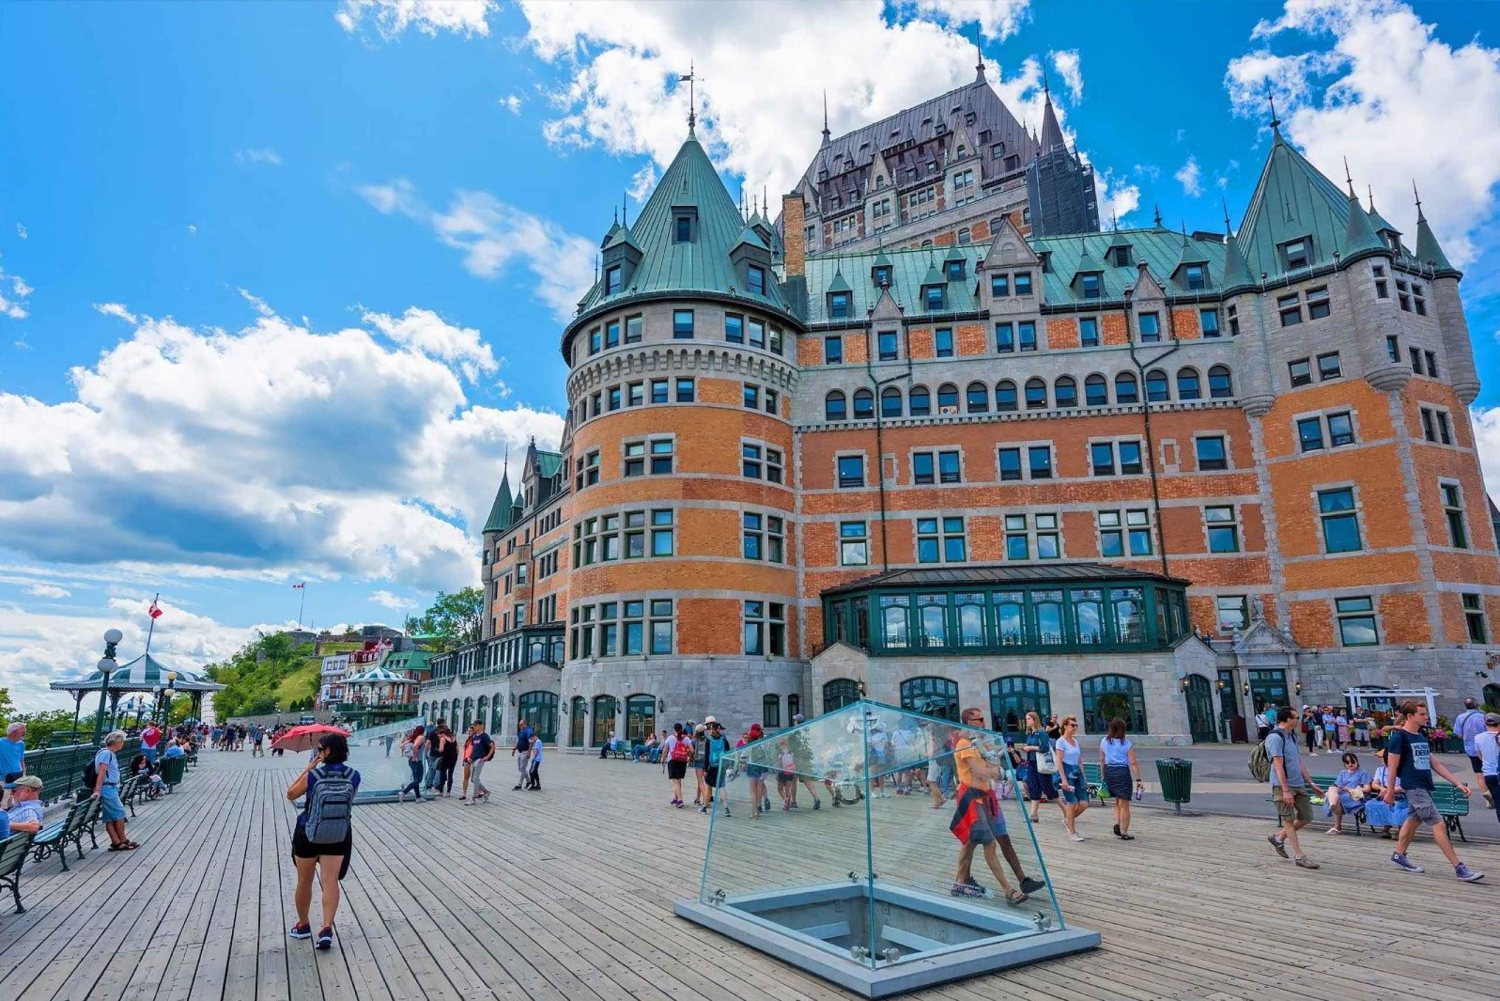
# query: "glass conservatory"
852 875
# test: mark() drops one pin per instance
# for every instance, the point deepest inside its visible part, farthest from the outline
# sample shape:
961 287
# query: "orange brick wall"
1062 333
969 339
1113 329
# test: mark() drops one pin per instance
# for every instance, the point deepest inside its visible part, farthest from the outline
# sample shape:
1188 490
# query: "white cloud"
641 182
265 155
392 17
511 103
115 309
21 344
265 451
1370 80
998 19
428 333
1068 67
11 305
1116 197
21 231
47 591
492 235
192 230
1190 177
1222 177
261 306
1150 171
396 603
1487 444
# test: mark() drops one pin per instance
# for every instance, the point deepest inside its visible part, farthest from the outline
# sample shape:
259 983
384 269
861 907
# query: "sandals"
1016 897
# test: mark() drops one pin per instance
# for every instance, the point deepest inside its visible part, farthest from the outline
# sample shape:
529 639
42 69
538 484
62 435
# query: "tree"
458 617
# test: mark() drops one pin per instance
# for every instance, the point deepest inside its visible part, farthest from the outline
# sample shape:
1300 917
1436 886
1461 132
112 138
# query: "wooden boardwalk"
566 895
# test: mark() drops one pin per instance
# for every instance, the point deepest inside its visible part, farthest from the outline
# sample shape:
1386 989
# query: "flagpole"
152 627
301 603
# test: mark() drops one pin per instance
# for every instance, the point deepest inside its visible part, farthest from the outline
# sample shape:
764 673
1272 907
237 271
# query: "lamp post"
106 665
166 722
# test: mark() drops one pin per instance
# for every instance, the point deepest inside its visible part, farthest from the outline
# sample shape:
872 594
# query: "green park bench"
1451 805
54 840
132 789
191 757
12 856
1094 776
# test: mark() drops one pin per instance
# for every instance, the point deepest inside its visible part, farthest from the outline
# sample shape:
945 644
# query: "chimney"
793 237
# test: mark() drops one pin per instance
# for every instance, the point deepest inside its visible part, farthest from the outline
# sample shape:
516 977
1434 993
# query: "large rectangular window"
734 328
1223 529
886 345
1005 338
1211 453
1010 463
833 350
1150 326
1088 332
851 469
854 546
1453 513
941 540
1234 613
1340 521
765 629
682 323
943 342
1474 621
1026 335
1357 621
763 538
1122 532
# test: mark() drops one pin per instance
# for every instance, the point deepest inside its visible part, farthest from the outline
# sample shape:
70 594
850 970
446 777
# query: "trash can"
1176 775
171 771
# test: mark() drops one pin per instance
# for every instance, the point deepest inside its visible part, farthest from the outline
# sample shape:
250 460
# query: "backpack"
90 776
1260 762
682 750
328 807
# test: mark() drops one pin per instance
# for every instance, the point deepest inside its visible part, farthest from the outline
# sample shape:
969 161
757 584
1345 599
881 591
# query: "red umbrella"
304 738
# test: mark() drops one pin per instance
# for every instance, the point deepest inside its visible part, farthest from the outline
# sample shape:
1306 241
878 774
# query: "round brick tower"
682 589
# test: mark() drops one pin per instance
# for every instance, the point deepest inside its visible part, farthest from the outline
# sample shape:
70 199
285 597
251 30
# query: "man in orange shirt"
977 821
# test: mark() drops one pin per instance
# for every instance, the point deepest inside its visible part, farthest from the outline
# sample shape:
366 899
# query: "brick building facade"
1138 473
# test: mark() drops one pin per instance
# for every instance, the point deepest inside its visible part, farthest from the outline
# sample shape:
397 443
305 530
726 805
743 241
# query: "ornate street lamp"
166 721
106 666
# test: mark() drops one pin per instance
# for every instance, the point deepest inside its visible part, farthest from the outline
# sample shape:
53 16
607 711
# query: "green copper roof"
1379 221
548 464
1236 271
499 519
619 235
701 265
910 270
954 254
1428 251
934 276
839 282
1359 234
749 236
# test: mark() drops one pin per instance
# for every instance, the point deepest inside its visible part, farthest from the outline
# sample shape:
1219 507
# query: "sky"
281 285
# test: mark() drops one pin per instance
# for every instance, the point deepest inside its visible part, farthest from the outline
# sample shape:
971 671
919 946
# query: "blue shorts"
150 753
110 807
1080 789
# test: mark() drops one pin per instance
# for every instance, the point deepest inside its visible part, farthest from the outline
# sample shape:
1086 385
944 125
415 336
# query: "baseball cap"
1492 719
26 782
709 720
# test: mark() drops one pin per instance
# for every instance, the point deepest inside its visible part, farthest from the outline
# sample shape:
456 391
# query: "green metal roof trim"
1160 249
499 519
407 660
548 464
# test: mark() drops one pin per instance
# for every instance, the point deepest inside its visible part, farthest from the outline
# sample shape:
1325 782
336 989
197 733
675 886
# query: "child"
786 778
534 765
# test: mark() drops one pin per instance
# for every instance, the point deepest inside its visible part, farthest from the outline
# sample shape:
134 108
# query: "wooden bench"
1453 806
54 840
12 856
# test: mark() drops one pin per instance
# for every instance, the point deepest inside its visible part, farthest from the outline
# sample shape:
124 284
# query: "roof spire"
1271 99
624 207
1418 197
765 200
1349 178
1225 202
691 78
826 133
1157 207
1370 190
979 56
614 216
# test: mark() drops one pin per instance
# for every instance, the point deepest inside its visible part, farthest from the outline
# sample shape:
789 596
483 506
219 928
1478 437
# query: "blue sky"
281 283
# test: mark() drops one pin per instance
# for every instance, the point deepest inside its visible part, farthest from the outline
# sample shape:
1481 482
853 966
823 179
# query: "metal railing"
61 768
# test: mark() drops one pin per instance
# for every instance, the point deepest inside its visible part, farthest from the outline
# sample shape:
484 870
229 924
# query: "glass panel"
1047 607
1088 616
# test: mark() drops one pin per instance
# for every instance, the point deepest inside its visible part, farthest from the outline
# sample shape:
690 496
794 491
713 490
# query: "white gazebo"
385 685
1361 698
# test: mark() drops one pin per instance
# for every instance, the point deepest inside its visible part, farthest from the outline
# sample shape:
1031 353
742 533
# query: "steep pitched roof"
547 463
1428 252
499 519
1052 135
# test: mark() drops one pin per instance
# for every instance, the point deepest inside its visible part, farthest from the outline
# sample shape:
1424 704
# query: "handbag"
1046 762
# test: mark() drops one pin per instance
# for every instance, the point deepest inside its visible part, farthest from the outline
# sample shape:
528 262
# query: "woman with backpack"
323 841
411 750
678 755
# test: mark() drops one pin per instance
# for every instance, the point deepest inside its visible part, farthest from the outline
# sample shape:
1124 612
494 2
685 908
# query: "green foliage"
267 672
457 618
41 726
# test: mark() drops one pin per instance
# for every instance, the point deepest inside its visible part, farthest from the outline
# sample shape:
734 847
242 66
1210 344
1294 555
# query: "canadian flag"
298 587
154 611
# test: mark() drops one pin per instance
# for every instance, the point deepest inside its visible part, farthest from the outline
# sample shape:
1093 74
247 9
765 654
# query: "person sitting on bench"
25 813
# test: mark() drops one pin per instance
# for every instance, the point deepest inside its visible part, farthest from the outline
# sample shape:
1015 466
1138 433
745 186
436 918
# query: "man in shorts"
978 822
802 753
1468 726
1409 758
1289 784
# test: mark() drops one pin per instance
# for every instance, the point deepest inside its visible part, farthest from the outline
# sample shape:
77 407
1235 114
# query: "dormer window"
935 297
1394 241
1122 256
838 305
612 280
1296 254
954 270
881 275
1045 257
684 229
755 280
1090 284
963 151
1194 275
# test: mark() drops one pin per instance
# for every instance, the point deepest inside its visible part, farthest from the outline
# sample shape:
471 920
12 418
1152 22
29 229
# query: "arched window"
839 693
1106 696
577 719
978 398
424 710
1065 392
1005 396
770 711
931 697
443 711
963 235
1012 697
1491 694
605 707
539 711
947 397
1126 390
834 406
1157 389
640 717
1036 394
482 711
1220 383
497 715
864 405
1096 391
890 402
920 401
793 708
1188 387
468 712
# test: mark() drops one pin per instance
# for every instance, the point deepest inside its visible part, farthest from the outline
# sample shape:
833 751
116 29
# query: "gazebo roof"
144 674
376 676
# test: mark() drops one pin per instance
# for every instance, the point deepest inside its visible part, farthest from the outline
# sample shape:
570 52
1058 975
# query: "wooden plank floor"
566 895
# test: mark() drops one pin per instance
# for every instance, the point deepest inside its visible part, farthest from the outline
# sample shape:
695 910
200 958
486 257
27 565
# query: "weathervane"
690 78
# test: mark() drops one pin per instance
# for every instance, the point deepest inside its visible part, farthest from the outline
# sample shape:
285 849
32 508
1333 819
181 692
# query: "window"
1417 300
1435 426
942 340
594 342
947 398
1010 463
685 391
1088 332
1310 434
764 538
881 273
1453 512
661 625
1036 394
838 305
934 296
1111 696
1023 282
1357 621
599 539
1210 453
1300 372
1017 542
1340 429
1119 529
775 341
977 398
765 629
1295 254
1102 458
1317 303
734 328
661 456
999 285
1096 391
1208 322
941 540
635 458
1474 619
614 398
1005 396
588 471
1150 327
770 711
1442 424
851 470
1328 366
771 397
1089 285
756 282
662 533
1432 372
1234 612
1039 460
636 394
949 470
854 545
760 461
922 469
1290 307
750 396
1065 392
1026 335
834 406
954 270
1048 541
658 390
612 334
890 402
1188 387
1340 521
887 345
632 329
864 405
684 229
682 323
1380 287
1005 338
1220 383
1126 390
920 401
833 350
1194 275
1223 529
1416 360
1157 389
1233 313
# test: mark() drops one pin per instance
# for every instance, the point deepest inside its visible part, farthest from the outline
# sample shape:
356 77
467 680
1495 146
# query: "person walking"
717 746
481 750
522 753
447 758
756 773
1075 788
1289 784
463 789
1488 746
1469 725
678 754
803 757
257 741
429 778
323 841
1262 725
1041 766
1409 758
534 764
150 741
1119 767
390 739
700 761
978 821
107 791
412 749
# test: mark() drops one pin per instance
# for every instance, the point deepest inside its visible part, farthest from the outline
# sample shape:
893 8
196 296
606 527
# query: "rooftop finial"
979 56
1271 99
765 200
614 216
826 133
1157 207
1349 178
1418 197
1046 86
1116 216
625 207
1225 202
1370 190
690 78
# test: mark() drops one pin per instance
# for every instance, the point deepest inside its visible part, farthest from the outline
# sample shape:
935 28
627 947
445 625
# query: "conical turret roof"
499 519
1359 234
1428 252
1052 135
